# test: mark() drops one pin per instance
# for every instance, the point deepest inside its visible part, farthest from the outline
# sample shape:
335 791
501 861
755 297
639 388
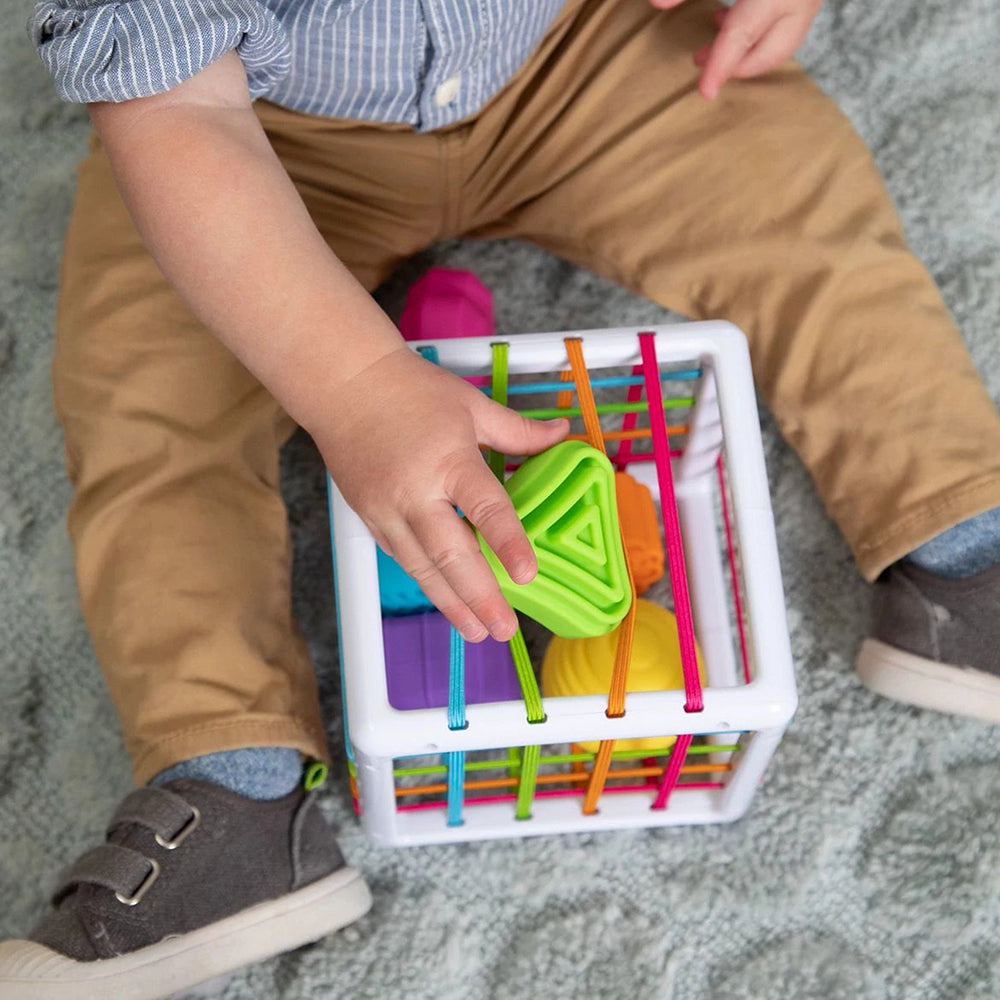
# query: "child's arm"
399 435
755 36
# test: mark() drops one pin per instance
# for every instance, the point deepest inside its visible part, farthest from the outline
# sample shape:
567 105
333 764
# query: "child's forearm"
226 225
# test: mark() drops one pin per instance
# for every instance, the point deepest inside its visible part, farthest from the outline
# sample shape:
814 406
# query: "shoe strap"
158 809
124 871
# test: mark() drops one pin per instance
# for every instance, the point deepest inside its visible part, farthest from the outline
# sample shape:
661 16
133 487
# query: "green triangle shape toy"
565 498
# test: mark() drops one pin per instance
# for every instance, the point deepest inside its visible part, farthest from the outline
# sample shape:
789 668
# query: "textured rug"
869 865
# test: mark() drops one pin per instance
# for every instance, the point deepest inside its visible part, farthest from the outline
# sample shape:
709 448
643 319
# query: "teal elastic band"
456 681
456 791
456 720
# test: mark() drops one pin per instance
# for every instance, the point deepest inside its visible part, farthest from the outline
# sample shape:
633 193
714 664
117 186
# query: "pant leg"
763 208
180 534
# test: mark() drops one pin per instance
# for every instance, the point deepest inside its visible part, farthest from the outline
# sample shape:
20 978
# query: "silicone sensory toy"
399 593
416 664
640 531
565 498
583 666
447 303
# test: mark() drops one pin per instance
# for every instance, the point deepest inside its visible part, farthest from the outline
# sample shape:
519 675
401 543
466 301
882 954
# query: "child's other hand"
755 36
402 444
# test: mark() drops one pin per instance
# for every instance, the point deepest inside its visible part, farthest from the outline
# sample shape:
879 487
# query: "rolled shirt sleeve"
115 51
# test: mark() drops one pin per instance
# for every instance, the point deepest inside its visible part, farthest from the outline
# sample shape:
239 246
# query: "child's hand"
403 447
755 36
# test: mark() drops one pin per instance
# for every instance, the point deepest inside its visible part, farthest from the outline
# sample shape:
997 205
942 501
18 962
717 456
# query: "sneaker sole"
926 683
30 971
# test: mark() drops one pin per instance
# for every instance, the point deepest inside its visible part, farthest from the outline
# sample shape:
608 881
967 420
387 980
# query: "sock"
970 547
253 772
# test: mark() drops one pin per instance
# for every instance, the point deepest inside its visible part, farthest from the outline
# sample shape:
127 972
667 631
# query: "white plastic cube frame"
379 734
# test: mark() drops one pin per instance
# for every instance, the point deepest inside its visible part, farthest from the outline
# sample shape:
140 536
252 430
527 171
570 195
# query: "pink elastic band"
671 525
733 574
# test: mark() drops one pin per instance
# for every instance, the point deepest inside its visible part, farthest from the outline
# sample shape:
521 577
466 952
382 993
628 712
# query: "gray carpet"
869 866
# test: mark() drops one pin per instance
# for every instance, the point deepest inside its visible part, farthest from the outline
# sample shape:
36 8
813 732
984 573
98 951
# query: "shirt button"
447 92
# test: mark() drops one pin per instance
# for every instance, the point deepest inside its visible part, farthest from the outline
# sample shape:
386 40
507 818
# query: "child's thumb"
509 432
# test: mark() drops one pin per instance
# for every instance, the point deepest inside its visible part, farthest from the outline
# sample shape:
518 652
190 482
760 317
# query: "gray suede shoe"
936 642
193 882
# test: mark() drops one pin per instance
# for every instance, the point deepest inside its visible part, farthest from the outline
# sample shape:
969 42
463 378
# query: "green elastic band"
526 677
547 412
526 786
512 763
498 391
315 775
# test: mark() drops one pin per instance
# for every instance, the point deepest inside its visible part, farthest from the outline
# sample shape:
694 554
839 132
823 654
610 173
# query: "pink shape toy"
447 303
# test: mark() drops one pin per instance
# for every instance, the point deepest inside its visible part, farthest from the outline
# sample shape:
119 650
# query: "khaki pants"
763 208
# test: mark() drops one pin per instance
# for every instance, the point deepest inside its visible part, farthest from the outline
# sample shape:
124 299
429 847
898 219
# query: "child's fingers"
777 45
507 431
454 551
485 503
427 559
742 27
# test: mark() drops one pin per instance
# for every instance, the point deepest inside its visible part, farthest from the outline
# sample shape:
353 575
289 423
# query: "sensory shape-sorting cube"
675 407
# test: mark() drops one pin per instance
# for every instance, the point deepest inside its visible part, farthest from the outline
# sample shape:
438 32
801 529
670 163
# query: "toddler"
258 169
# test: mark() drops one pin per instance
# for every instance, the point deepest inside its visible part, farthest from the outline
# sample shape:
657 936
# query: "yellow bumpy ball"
584 666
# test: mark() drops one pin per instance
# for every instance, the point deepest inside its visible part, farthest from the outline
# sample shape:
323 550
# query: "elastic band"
624 453
605 382
672 772
498 391
526 677
548 412
584 392
456 720
733 574
626 630
526 786
598 776
518 648
456 786
564 400
671 527
348 748
456 681
556 793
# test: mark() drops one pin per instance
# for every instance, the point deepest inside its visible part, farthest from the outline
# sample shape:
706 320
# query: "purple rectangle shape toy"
417 663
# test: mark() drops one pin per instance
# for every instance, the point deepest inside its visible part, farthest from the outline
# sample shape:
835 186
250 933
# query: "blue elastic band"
456 681
609 381
456 720
456 779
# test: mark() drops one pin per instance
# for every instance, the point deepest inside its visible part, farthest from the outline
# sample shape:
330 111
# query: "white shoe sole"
30 971
927 683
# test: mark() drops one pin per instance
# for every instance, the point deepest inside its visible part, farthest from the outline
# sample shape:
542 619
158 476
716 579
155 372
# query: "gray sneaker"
193 882
936 642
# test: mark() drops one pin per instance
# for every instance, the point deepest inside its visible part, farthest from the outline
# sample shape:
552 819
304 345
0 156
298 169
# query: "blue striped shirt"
426 63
